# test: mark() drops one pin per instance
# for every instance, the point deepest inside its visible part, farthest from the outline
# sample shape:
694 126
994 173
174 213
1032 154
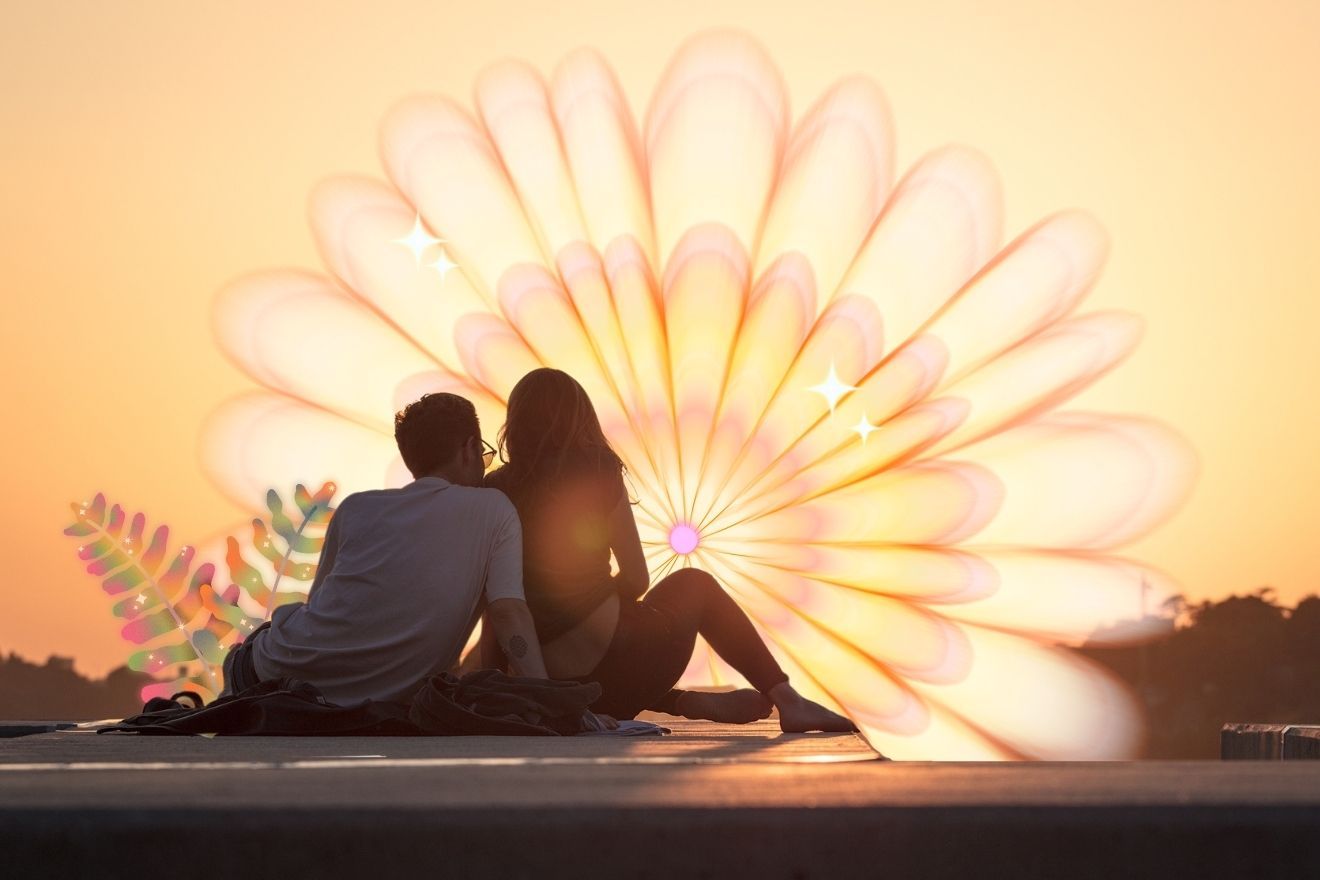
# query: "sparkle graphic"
418 240
697 278
864 429
832 389
443 265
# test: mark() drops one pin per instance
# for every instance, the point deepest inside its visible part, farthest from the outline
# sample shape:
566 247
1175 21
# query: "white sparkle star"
864 428
443 265
832 388
418 240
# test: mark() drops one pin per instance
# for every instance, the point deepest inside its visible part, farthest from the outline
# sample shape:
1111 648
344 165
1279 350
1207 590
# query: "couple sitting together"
406 573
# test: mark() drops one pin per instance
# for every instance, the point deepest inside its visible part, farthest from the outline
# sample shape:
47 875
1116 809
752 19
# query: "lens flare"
835 391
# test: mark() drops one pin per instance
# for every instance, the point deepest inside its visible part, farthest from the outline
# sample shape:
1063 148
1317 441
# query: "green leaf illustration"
165 605
183 622
281 543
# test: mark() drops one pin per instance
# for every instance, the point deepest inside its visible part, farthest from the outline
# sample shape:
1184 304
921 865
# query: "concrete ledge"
1269 742
1251 742
1301 742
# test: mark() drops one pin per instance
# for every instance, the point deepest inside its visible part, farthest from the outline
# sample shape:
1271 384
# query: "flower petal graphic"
514 104
357 223
1132 472
273 325
314 445
704 298
838 164
604 153
940 226
1042 701
834 386
1036 280
443 163
715 135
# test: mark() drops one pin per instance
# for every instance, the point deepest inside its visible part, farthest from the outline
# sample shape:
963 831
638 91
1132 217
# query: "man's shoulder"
358 496
481 504
486 497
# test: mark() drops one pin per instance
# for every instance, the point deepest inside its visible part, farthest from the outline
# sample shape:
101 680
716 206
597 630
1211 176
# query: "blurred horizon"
157 152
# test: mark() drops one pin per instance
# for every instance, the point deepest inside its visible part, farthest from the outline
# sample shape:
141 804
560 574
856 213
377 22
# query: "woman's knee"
689 582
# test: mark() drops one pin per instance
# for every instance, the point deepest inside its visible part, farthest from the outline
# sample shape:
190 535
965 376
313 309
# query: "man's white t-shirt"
397 591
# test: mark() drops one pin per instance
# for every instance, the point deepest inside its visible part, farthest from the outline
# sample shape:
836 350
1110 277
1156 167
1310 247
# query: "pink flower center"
683 538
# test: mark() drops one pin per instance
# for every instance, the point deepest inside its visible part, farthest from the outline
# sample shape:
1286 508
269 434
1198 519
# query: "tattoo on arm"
518 647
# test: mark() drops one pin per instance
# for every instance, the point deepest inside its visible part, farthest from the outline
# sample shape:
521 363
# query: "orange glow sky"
154 151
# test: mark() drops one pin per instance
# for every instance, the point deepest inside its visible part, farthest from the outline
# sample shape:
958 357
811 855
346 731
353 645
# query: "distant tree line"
54 691
1244 658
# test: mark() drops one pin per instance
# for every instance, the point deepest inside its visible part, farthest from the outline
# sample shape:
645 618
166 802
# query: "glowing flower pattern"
834 391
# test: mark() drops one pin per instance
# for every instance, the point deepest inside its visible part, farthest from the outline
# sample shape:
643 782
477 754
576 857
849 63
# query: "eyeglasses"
488 455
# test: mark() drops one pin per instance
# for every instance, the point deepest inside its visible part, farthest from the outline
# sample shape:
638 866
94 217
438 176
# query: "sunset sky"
154 151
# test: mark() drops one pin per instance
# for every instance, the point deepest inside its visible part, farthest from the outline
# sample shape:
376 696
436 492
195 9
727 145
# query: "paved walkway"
708 801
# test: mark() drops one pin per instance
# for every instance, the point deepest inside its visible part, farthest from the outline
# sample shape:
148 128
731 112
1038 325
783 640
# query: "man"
404 575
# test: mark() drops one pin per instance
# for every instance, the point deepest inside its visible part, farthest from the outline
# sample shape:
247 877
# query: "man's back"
398 590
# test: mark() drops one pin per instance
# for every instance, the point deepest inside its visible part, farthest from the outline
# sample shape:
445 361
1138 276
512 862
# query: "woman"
567 485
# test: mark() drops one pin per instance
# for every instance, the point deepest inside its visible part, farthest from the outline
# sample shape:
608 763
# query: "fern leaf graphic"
165 605
225 607
314 510
182 620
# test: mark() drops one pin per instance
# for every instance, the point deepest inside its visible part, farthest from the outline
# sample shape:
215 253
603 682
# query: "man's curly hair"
432 429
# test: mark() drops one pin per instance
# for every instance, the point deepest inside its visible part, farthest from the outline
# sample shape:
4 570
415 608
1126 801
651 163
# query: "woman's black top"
566 545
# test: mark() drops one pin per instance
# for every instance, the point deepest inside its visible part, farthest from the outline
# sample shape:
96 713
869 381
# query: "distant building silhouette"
55 692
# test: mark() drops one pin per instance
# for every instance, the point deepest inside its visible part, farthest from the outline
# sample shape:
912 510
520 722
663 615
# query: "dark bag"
481 703
488 702
278 707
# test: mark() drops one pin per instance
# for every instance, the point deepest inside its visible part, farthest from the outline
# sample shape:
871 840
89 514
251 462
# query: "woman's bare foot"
797 714
728 707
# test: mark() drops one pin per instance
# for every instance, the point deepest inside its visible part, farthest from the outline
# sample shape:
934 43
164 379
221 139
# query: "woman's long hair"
550 422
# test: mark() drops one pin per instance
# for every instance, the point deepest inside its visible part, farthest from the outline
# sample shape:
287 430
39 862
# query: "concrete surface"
1269 742
709 801
1301 742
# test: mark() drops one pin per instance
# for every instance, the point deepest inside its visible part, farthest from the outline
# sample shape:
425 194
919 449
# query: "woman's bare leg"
742 706
696 603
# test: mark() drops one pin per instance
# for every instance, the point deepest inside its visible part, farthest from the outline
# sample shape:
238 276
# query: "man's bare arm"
511 622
